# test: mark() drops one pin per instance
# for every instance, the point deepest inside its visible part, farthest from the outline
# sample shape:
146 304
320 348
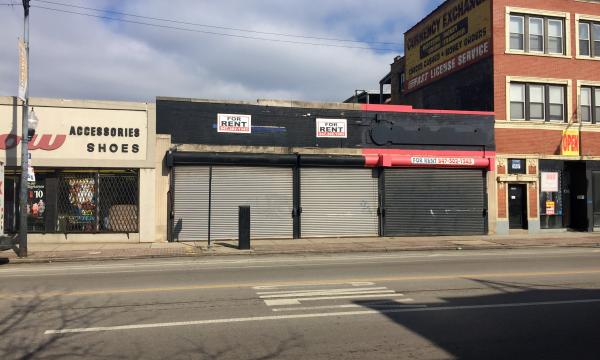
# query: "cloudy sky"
105 57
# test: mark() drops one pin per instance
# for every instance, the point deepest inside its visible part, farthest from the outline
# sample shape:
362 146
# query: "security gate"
190 203
198 193
338 201
267 190
434 202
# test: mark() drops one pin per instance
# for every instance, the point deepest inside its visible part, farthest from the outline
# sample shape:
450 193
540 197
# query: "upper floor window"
537 34
589 38
589 104
532 101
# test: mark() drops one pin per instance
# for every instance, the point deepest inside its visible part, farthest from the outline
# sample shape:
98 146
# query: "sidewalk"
91 252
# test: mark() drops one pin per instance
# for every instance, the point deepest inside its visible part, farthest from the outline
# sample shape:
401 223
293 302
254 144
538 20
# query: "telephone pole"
24 144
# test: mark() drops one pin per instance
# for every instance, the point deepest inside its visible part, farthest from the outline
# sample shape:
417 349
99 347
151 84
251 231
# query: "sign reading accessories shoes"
332 128
234 123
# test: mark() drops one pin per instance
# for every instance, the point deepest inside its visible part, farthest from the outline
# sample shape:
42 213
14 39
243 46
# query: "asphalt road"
514 304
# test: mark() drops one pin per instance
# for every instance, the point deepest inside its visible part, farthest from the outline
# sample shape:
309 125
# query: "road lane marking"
328 290
467 276
379 290
345 306
298 300
314 315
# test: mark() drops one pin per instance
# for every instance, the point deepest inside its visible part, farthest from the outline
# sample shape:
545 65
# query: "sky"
74 56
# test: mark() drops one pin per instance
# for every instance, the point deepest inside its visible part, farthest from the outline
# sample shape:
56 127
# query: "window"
517 101
556 100
537 34
585 104
536 102
584 39
589 104
517 29
555 38
531 101
589 39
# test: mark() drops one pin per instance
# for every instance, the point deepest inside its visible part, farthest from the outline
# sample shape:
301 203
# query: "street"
492 304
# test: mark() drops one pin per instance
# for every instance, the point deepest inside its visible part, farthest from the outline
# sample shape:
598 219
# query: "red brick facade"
528 141
540 66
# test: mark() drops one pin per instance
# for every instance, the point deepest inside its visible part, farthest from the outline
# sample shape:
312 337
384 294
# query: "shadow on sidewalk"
521 321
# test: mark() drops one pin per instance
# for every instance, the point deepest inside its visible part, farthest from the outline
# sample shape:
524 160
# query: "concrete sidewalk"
105 251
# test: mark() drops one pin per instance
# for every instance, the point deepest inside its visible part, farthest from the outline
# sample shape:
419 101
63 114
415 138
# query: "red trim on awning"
408 108
429 158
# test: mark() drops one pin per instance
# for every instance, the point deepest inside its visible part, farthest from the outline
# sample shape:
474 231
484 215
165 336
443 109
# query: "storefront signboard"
570 142
234 123
74 134
332 128
549 182
456 35
550 208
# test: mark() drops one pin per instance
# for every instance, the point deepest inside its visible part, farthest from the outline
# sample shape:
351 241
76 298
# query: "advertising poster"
549 182
458 34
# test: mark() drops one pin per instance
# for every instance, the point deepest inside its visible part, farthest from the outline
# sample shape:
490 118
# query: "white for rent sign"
332 128
234 123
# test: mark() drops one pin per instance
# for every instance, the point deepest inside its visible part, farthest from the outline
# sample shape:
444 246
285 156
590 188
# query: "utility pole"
24 144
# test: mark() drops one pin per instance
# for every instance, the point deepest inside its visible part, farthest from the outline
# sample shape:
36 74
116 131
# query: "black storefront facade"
318 169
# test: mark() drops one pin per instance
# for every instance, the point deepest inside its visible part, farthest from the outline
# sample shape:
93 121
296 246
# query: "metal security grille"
339 201
434 202
95 202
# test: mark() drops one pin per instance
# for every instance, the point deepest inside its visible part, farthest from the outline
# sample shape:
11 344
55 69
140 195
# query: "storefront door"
517 206
577 194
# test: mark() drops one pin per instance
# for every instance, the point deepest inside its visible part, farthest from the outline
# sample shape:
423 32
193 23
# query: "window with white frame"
517 32
537 34
589 38
589 104
540 102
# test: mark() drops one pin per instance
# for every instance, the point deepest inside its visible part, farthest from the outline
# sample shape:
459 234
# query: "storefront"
315 170
90 161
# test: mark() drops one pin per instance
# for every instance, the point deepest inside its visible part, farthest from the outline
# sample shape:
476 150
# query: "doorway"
517 206
575 190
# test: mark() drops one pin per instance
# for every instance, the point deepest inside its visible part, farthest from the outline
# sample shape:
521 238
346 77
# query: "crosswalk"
282 298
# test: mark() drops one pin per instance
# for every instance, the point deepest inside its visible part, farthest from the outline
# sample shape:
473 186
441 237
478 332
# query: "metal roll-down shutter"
434 202
267 190
338 201
190 203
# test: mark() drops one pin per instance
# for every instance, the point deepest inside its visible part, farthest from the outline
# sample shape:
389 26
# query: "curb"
253 252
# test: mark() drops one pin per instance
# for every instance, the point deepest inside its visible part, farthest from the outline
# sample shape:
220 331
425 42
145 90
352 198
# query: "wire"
212 32
214 26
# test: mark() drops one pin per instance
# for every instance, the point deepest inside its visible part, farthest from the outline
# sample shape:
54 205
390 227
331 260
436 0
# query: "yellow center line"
50 294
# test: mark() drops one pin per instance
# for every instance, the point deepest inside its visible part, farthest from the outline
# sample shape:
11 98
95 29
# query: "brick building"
535 65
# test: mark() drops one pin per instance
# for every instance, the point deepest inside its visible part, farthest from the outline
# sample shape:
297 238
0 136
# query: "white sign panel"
234 123
332 128
549 182
22 70
442 161
30 174
68 134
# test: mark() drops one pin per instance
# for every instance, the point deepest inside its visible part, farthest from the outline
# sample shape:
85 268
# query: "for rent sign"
446 161
332 128
234 123
454 36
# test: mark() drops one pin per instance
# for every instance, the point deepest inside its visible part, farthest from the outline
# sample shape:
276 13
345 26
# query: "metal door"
517 206
434 202
338 201
190 203
267 190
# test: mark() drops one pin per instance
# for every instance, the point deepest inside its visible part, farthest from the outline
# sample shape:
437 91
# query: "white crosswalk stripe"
285 296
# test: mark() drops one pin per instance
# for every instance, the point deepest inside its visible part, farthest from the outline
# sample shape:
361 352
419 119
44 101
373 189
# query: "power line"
215 26
211 32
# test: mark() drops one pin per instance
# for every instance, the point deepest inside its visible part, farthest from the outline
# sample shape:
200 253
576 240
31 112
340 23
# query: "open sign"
570 142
